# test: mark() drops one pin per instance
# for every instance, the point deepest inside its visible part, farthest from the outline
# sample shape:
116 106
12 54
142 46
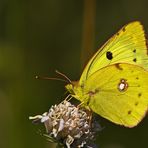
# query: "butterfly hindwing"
119 93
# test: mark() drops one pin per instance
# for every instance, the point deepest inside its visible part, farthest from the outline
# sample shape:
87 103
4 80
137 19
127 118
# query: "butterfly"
114 83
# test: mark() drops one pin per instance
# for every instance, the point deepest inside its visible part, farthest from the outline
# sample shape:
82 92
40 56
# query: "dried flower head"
69 125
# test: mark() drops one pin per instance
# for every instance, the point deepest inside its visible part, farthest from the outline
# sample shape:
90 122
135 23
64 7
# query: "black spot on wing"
134 60
129 112
139 95
137 78
109 55
136 103
134 50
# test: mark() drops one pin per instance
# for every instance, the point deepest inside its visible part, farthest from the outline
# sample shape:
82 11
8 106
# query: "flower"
69 125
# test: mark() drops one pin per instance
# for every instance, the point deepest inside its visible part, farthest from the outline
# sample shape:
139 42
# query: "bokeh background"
38 37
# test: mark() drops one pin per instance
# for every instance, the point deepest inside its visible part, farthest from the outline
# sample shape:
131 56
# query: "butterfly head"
71 87
75 90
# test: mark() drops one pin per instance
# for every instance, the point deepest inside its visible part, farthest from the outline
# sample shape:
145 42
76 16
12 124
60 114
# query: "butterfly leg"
90 113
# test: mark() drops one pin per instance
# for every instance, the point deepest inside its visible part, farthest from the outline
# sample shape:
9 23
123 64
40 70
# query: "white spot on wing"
123 85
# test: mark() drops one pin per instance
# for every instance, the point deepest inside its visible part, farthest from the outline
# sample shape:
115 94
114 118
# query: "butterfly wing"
126 46
119 93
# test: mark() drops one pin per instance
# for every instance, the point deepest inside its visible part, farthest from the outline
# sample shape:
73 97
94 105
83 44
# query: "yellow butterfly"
114 83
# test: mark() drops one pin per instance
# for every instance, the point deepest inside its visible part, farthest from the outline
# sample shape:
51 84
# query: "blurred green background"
38 37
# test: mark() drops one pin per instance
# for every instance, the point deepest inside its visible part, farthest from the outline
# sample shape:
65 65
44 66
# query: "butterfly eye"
123 85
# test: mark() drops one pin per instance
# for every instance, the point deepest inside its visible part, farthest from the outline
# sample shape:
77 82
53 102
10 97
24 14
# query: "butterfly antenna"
63 75
48 78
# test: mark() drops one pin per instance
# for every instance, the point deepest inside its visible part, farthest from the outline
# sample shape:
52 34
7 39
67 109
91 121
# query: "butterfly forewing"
126 46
